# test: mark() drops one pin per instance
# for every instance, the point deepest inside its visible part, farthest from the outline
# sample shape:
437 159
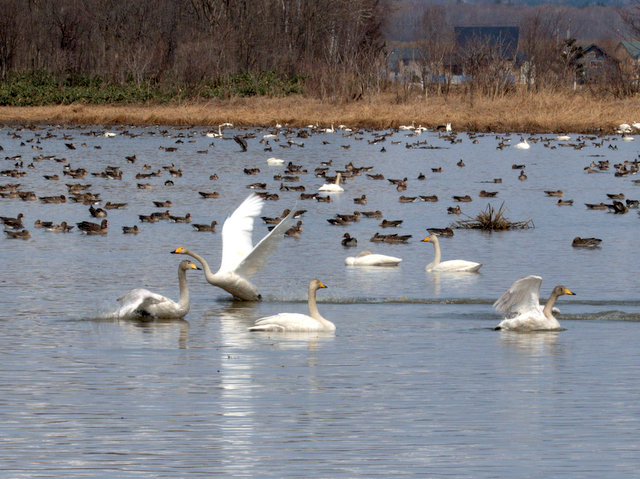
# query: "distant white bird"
213 134
109 134
330 130
241 260
296 322
407 127
523 145
636 125
332 187
226 125
521 306
624 128
453 265
448 127
366 258
143 304
626 137
563 137
275 161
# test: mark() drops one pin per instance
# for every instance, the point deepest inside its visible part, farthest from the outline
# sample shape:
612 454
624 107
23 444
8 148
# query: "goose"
61 228
202 227
143 304
521 304
366 258
333 187
296 322
454 265
130 230
241 260
93 228
22 234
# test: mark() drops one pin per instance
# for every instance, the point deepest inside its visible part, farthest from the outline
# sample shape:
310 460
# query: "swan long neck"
338 177
183 302
547 311
313 306
205 266
436 251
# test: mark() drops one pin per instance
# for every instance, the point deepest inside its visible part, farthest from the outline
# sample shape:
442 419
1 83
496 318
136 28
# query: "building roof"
632 47
504 37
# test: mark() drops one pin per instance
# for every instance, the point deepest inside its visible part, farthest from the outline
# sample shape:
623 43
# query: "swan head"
186 264
180 250
431 239
316 284
560 290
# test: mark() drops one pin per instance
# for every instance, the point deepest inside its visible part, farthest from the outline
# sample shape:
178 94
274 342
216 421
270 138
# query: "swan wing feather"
522 297
138 299
287 322
259 255
236 233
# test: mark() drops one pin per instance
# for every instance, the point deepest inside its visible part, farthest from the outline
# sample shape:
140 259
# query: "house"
595 61
628 51
404 64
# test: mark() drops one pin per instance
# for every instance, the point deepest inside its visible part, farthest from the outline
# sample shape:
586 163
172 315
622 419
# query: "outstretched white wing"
236 233
523 296
137 299
264 249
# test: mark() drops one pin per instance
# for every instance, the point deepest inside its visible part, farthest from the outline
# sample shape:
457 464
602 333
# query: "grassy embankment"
251 102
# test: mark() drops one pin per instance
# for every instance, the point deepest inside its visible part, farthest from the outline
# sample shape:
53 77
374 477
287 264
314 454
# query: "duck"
390 223
361 201
585 242
557 193
240 260
454 210
181 219
367 258
444 232
142 304
131 230
487 194
93 228
22 234
296 322
63 227
463 199
201 227
521 305
13 223
522 176
564 203
348 240
454 265
333 187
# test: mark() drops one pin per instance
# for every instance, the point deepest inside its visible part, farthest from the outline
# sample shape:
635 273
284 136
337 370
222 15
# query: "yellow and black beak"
321 284
566 291
178 250
194 266
427 239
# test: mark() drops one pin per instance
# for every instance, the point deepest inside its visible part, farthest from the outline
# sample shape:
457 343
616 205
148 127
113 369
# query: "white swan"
241 260
330 130
274 161
366 258
454 265
213 134
296 322
563 137
332 187
523 145
521 305
143 304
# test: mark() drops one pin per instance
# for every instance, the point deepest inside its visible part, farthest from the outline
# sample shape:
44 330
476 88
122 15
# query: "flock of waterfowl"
240 259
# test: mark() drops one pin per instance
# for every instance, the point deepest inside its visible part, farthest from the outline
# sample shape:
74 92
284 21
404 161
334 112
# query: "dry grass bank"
519 112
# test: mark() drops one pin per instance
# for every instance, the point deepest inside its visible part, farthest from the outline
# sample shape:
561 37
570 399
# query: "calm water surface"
414 382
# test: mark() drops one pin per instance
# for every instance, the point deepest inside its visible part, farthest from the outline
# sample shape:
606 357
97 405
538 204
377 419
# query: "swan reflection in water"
534 343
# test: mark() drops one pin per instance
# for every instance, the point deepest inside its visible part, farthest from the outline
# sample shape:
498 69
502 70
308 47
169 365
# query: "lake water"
413 383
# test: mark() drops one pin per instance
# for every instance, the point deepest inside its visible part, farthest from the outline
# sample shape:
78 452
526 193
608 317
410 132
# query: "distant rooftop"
633 47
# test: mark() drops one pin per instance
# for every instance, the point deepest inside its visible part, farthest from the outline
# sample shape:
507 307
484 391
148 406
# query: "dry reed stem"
521 112
492 220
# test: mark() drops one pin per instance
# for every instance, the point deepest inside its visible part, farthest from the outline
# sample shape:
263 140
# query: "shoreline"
521 112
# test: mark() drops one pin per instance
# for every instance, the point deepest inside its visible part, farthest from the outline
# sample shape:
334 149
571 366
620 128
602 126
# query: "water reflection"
535 343
452 282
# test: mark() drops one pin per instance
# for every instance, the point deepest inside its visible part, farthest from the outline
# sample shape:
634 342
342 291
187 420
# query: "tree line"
336 48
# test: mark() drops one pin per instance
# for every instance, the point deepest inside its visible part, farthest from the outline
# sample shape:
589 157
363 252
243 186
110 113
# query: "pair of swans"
521 305
296 322
240 259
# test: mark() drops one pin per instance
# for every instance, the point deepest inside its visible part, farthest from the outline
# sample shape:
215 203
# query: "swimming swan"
454 265
521 305
296 322
523 145
141 303
332 187
241 260
366 258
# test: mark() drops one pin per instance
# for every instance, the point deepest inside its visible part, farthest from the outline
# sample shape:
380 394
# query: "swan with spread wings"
240 259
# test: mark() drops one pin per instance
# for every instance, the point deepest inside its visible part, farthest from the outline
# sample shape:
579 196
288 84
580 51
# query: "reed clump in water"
492 220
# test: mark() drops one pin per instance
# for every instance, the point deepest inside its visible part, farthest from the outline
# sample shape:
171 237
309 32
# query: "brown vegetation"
492 220
523 111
